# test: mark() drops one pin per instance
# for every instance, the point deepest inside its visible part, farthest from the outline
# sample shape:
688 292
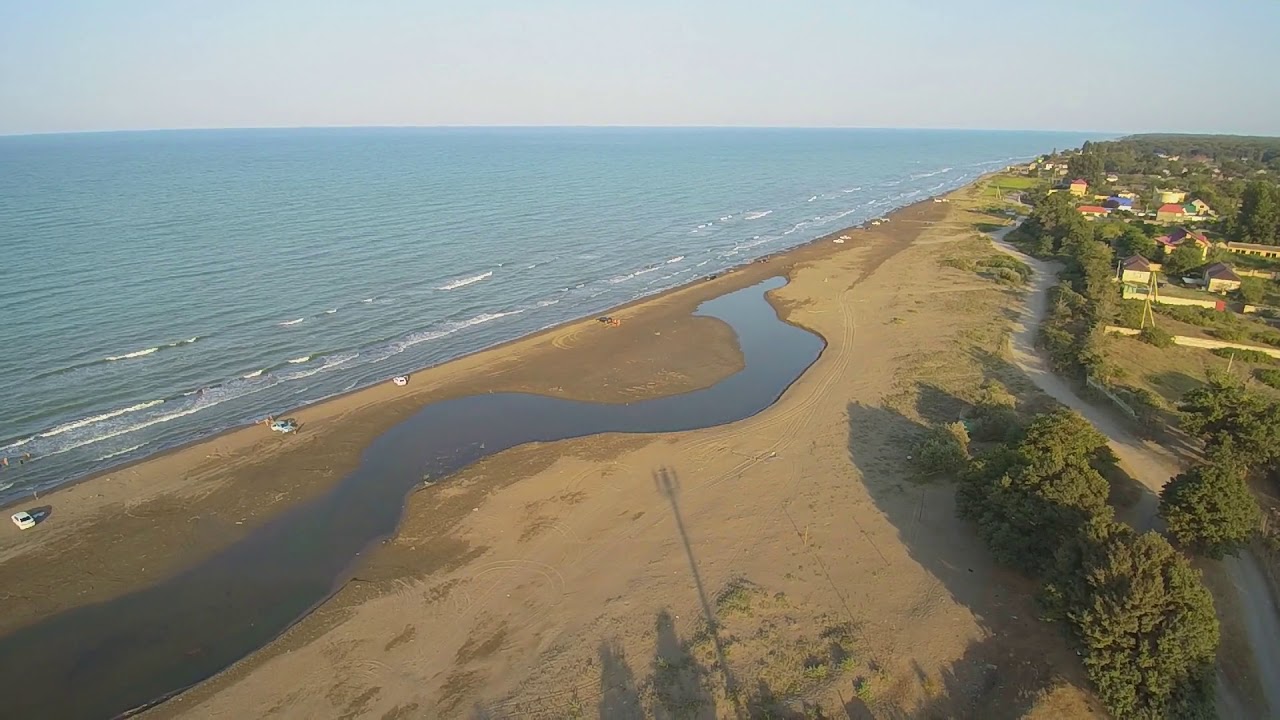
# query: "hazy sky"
1122 65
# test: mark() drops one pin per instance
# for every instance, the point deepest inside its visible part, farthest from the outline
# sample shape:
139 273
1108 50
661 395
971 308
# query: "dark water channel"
102 660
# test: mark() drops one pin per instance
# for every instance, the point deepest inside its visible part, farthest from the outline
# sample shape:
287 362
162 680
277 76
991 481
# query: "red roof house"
1093 210
1170 211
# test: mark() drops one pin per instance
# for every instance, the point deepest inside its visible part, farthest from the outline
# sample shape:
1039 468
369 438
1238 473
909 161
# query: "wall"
1202 342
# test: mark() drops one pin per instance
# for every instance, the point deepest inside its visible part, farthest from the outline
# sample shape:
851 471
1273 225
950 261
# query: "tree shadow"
1018 658
619 695
680 683
940 406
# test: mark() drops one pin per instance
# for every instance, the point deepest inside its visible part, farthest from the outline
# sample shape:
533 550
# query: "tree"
1089 166
1026 498
1253 290
1209 508
1258 220
1229 418
1145 622
1133 241
1182 260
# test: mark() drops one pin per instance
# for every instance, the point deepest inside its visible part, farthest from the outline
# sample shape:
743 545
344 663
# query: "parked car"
23 520
284 426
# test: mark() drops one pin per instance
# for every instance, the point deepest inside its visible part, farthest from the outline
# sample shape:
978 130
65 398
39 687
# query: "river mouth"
107 659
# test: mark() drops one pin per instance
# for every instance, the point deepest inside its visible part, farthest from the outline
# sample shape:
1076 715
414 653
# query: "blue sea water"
159 287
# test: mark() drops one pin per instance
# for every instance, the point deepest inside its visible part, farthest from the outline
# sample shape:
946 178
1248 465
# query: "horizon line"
483 126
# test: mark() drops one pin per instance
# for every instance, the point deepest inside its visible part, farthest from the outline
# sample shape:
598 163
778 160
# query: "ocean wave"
463 282
117 453
330 312
852 189
675 259
919 176
253 374
330 362
291 322
84 422
811 199
726 218
299 360
757 214
546 303
134 354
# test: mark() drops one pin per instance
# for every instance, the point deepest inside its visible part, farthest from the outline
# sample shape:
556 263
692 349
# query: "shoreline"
50 493
248 474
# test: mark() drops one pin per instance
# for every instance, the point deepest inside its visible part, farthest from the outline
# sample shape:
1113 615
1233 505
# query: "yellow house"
1136 269
1268 251
1220 278
1166 197
1202 207
1079 187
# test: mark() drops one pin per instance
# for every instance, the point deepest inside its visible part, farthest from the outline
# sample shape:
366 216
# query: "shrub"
1268 376
1230 334
1252 356
1005 262
945 450
1153 335
1129 314
1209 508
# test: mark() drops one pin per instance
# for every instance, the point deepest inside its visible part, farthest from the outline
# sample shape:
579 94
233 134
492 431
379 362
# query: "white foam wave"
546 303
369 300
811 199
302 359
704 262
726 218
83 422
756 215
134 354
108 456
463 282
330 362
330 312
852 189
291 322
675 259
919 176
253 374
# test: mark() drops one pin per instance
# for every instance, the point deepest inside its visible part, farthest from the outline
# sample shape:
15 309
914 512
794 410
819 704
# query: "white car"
23 520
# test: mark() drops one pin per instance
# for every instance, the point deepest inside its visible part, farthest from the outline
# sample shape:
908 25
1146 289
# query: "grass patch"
1250 356
1268 376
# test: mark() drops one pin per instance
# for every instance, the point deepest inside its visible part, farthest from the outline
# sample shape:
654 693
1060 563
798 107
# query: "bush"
1009 264
1252 356
1198 316
1210 509
1229 334
1026 498
1268 376
944 450
1153 335
1129 314
1145 622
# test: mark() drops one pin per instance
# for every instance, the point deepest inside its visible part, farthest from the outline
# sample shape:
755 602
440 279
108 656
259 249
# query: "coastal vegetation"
1040 504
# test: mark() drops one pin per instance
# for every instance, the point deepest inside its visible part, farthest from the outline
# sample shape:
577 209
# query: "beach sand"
793 559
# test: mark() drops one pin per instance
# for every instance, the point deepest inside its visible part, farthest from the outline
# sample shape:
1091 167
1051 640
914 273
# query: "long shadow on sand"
102 660
1017 658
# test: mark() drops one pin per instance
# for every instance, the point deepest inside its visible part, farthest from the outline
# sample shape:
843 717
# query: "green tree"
1145 622
1253 290
1258 220
1229 418
1210 509
1135 242
1089 166
1026 498
1184 259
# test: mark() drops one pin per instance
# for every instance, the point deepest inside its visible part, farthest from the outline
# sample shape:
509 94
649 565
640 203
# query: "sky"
1116 66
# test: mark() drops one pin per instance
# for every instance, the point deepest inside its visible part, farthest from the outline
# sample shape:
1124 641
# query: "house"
1220 278
1113 178
1178 237
1267 251
1093 211
1201 207
1079 187
1128 195
1136 269
1171 213
1168 197
1115 202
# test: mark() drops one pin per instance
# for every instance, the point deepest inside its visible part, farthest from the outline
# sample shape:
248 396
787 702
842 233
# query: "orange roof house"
1170 212
1093 211
1079 186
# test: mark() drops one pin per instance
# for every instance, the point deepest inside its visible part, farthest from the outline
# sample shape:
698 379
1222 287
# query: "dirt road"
1153 466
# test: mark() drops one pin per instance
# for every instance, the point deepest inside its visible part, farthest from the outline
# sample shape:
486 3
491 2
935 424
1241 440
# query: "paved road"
1153 466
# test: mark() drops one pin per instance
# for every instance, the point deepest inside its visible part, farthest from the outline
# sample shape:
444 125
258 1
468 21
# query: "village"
1172 246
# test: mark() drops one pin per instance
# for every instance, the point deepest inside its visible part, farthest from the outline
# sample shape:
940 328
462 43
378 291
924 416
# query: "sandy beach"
788 559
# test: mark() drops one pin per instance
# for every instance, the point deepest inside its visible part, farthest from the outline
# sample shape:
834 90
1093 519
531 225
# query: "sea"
160 287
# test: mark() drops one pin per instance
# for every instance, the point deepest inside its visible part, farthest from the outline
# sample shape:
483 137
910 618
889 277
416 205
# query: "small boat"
400 380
